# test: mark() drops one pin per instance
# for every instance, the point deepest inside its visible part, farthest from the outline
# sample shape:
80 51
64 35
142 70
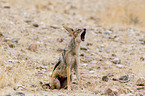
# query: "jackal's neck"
74 46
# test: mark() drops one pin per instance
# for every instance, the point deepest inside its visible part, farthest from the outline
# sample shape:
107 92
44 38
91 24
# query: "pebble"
35 25
114 79
85 64
89 44
94 62
91 71
82 54
6 6
54 26
107 32
83 48
142 41
60 39
32 47
140 81
1 35
124 79
111 92
28 21
116 61
120 66
105 78
20 94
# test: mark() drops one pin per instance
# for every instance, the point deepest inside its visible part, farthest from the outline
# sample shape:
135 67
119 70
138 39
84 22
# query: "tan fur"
62 74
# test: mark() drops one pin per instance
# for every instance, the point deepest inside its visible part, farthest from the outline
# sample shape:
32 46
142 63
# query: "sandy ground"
32 37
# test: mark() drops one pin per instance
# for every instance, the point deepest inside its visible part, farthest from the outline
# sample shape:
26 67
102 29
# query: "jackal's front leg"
77 72
68 77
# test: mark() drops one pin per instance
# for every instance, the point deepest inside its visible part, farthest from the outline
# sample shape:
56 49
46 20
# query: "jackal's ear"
70 30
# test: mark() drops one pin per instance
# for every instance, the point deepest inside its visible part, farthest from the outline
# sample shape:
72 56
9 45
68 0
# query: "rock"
120 66
124 79
105 78
116 61
19 94
1 35
91 71
60 49
82 54
142 58
11 44
85 64
111 92
28 21
60 39
114 55
141 82
114 79
94 62
89 44
35 25
97 91
83 48
6 6
142 41
54 26
107 32
32 47
140 87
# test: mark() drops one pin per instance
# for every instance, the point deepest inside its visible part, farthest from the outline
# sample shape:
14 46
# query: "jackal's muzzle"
83 34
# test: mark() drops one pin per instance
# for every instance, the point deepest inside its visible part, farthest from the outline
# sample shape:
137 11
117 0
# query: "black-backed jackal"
62 73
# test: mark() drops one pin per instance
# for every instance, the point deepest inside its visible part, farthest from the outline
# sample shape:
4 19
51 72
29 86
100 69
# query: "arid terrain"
32 38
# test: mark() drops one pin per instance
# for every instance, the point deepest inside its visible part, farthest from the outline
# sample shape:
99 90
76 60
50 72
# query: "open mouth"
83 35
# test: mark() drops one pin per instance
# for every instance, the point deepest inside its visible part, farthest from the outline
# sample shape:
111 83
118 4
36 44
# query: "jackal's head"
77 33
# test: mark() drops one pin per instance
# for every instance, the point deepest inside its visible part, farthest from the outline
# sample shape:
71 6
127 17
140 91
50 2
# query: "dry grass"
22 69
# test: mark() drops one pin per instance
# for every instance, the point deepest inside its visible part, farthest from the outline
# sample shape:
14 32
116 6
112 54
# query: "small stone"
124 79
105 78
140 87
119 66
141 82
28 21
60 49
54 26
142 58
116 61
114 55
107 32
111 92
142 41
1 35
6 6
97 91
85 64
91 71
35 25
20 94
114 79
82 54
32 47
89 44
11 45
83 48
94 62
60 39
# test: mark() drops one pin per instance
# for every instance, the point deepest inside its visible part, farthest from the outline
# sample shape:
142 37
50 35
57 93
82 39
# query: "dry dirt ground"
32 37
